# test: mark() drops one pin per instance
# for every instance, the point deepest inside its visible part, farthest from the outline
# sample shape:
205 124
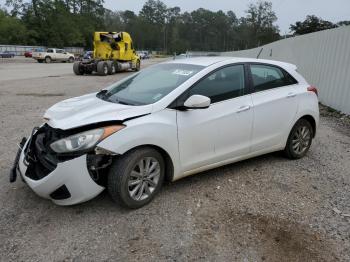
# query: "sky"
287 11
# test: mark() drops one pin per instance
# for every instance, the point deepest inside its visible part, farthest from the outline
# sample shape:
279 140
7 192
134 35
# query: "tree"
343 23
60 23
12 30
259 24
311 24
154 12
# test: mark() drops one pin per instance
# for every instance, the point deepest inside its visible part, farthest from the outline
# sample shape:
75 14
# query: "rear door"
222 131
275 106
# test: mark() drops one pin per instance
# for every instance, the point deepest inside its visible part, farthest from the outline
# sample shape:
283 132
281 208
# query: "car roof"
208 61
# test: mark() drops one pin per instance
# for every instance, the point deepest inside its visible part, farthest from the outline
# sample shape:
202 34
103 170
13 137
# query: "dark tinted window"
221 85
268 77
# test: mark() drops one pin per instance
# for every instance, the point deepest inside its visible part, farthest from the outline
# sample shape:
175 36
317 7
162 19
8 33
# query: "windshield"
150 85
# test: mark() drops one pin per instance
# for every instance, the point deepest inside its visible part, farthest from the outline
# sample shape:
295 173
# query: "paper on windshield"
182 72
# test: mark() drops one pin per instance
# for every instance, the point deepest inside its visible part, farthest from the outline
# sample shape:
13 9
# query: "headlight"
84 140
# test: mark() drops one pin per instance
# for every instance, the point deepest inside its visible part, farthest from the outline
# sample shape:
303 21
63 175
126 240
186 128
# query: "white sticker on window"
182 72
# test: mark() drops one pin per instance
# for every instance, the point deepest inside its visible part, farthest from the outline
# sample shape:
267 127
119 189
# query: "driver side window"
224 84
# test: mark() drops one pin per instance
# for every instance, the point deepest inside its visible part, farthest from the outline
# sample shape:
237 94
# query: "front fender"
157 129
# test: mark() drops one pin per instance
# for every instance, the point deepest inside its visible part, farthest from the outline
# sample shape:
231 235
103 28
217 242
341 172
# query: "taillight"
312 89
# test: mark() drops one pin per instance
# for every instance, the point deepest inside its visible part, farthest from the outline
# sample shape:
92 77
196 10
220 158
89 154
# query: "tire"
48 60
102 68
299 140
71 59
138 66
77 69
120 175
111 68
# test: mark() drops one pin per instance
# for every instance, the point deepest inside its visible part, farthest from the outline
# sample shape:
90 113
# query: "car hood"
89 109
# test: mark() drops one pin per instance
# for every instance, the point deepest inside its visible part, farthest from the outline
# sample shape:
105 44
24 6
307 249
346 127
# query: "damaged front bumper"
66 181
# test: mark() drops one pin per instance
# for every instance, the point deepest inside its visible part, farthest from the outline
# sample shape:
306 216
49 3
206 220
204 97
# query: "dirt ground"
264 209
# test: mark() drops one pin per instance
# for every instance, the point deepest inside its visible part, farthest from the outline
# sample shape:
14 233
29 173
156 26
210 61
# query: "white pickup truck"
53 54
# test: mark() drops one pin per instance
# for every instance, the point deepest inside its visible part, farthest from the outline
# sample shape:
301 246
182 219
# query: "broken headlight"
85 140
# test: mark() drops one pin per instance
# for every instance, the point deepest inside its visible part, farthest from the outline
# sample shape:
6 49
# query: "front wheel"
136 177
299 140
77 69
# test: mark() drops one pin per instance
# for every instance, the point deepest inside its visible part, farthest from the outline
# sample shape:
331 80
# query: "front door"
222 131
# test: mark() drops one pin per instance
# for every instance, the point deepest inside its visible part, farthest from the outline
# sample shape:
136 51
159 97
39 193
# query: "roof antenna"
260 52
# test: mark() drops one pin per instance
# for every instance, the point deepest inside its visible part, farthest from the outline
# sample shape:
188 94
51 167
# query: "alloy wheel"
301 139
144 178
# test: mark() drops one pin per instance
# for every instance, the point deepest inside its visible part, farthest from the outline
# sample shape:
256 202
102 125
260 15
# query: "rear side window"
223 84
268 77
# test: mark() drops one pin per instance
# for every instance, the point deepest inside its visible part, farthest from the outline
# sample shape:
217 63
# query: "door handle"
291 95
243 108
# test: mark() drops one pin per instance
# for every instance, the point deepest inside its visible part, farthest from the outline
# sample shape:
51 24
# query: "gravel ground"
264 209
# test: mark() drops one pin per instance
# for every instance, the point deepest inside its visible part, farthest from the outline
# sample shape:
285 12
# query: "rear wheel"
136 177
77 69
299 140
102 68
48 60
111 68
71 59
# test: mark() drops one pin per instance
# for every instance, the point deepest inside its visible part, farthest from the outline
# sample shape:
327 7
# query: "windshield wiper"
102 93
124 103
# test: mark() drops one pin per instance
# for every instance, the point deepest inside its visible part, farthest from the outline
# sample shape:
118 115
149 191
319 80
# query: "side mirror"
197 102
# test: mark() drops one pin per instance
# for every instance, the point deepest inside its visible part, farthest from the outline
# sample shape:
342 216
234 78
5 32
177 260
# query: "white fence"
323 58
21 49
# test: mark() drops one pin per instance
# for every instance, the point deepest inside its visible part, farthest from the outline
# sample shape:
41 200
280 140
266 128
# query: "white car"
167 122
53 54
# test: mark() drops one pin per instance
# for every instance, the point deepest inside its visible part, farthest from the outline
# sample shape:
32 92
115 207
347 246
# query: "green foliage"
343 23
158 27
12 30
60 23
311 24
57 23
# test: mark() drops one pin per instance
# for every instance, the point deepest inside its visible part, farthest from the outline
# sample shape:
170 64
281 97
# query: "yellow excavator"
113 52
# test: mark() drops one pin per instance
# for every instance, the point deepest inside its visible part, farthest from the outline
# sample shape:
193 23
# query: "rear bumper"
68 184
